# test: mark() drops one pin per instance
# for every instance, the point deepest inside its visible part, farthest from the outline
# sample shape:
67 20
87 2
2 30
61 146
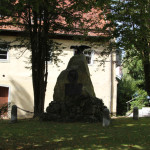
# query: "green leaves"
129 21
140 101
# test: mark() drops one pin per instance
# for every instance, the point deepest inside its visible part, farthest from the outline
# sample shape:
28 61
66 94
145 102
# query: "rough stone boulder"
77 63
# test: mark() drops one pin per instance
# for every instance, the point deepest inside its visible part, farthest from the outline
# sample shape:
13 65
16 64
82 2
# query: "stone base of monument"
106 117
80 108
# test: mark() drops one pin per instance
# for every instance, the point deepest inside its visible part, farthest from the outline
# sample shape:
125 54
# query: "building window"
89 54
3 52
1 16
41 16
49 58
3 55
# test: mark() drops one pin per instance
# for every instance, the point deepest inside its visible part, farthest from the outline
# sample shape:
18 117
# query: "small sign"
73 89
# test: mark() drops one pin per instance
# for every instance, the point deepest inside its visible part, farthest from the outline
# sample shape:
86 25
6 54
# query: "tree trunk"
39 46
146 66
147 77
38 71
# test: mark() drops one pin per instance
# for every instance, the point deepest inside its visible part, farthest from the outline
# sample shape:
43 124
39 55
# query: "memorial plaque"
73 89
73 76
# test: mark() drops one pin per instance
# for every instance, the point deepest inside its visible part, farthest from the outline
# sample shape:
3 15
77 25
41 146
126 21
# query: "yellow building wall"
18 78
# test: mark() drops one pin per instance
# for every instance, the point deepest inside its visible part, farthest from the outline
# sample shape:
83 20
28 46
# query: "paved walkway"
144 112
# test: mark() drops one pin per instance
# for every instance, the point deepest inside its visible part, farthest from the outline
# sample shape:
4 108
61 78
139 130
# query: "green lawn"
123 134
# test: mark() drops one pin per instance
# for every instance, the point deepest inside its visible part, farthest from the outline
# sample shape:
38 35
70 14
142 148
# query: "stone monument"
74 97
135 113
106 117
14 114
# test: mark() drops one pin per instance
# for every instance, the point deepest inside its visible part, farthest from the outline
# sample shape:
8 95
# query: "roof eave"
6 32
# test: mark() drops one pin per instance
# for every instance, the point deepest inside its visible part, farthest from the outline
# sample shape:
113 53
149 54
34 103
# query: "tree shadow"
124 135
21 98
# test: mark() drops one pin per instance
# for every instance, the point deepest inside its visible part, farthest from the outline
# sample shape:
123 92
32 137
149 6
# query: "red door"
3 96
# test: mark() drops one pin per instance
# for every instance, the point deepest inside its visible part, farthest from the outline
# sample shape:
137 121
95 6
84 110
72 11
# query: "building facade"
16 76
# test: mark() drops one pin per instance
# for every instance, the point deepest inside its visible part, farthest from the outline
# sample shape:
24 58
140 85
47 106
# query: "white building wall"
14 74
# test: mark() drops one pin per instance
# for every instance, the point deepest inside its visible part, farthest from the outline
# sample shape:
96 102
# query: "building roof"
94 26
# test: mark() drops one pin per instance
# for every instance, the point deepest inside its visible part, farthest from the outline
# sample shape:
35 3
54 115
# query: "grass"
123 134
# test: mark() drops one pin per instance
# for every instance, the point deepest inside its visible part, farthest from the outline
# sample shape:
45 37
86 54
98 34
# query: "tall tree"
134 69
40 19
130 21
130 85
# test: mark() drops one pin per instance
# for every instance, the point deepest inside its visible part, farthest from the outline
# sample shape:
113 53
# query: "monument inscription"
73 88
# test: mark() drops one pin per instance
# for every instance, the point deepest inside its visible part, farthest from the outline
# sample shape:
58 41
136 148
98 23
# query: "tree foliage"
131 86
4 109
135 70
126 88
140 101
130 25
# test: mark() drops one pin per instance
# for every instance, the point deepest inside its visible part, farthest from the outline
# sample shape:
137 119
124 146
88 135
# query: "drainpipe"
111 83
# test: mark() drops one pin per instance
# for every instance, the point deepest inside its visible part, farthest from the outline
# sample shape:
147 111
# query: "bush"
140 101
125 90
4 109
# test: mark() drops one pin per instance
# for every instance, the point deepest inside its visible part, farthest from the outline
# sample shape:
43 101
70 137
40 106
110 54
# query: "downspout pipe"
111 82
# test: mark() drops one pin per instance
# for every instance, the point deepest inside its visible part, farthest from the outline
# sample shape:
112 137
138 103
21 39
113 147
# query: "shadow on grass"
123 134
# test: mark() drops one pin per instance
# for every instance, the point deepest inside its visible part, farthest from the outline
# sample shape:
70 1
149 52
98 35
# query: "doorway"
4 93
